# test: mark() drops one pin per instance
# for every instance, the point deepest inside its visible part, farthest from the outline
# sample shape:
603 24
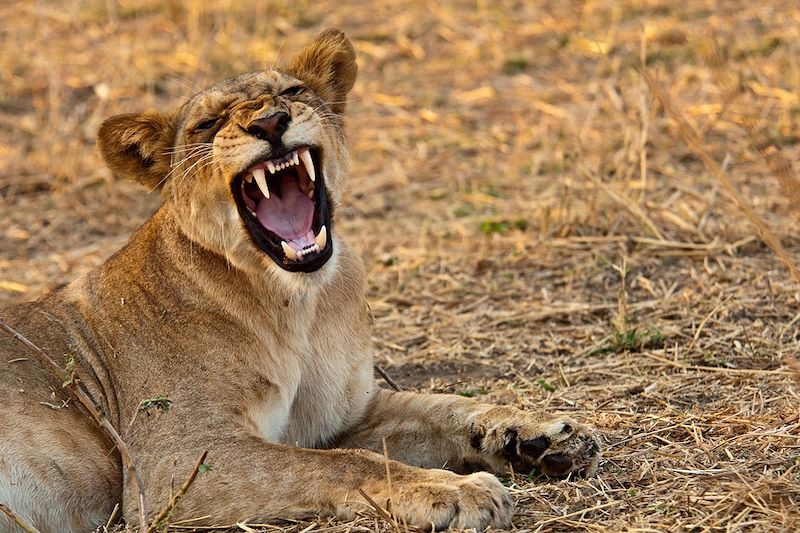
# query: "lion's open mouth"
284 204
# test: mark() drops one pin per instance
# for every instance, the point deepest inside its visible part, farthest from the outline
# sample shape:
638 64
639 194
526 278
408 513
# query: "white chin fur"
305 282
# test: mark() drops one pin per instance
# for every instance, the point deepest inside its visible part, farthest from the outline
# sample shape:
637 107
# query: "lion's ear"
328 66
134 146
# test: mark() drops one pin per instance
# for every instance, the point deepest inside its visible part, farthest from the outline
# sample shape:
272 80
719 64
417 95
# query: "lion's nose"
270 128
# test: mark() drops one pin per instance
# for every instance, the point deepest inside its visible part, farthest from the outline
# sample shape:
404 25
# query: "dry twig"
173 501
17 519
392 383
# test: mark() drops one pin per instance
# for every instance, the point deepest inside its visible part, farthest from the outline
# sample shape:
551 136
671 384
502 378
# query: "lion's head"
253 166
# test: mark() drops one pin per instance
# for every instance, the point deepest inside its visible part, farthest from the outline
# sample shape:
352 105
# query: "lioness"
240 301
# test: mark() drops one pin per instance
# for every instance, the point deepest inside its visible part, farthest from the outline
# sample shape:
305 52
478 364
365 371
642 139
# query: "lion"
239 301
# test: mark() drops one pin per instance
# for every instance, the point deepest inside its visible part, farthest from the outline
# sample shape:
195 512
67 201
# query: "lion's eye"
206 124
293 91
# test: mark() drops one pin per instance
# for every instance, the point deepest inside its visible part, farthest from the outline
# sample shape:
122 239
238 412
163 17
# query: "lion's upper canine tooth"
289 251
258 174
271 167
322 237
305 155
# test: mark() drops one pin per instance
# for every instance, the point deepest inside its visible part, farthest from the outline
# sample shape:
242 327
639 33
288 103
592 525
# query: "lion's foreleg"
438 430
251 480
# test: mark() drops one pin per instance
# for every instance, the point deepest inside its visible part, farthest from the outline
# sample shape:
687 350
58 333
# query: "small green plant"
161 403
503 226
711 359
463 210
507 481
632 340
204 467
632 492
660 507
515 65
546 386
473 392
69 369
533 474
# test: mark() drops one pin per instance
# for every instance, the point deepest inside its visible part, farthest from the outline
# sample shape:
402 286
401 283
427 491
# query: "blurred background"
536 228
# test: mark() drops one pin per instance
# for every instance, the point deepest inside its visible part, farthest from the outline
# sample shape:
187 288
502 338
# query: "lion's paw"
556 447
446 500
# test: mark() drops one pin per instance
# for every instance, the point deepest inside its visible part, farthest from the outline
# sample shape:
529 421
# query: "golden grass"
540 233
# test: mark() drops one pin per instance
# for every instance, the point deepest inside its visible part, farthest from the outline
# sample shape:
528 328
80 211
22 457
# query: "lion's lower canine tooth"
305 155
322 237
289 251
258 174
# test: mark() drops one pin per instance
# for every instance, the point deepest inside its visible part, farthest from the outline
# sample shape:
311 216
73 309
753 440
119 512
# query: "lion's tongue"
288 212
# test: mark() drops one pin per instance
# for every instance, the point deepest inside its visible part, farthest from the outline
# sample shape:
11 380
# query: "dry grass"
545 236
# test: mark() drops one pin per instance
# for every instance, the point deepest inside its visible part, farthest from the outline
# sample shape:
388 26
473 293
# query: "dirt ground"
537 229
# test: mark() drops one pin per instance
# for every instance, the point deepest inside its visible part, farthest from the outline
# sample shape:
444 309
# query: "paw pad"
535 447
556 464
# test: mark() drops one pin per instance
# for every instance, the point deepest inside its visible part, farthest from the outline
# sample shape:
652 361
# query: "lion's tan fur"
268 370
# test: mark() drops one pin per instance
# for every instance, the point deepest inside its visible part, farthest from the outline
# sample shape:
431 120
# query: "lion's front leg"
256 481
433 430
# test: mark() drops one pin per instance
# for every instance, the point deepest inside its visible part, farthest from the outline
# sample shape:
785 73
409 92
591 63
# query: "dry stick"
17 519
732 371
690 136
75 386
386 514
113 517
387 379
173 501
378 509
389 485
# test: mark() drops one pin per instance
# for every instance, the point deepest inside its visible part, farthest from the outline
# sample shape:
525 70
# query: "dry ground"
536 229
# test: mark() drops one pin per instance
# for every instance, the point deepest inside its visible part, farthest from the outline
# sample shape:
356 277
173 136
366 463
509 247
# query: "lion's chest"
318 386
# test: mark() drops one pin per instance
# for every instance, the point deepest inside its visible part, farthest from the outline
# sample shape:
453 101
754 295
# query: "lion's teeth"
322 237
248 178
289 251
305 155
295 158
314 248
258 174
271 167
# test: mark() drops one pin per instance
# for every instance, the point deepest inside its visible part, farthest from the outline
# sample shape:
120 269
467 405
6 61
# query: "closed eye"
293 91
206 124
